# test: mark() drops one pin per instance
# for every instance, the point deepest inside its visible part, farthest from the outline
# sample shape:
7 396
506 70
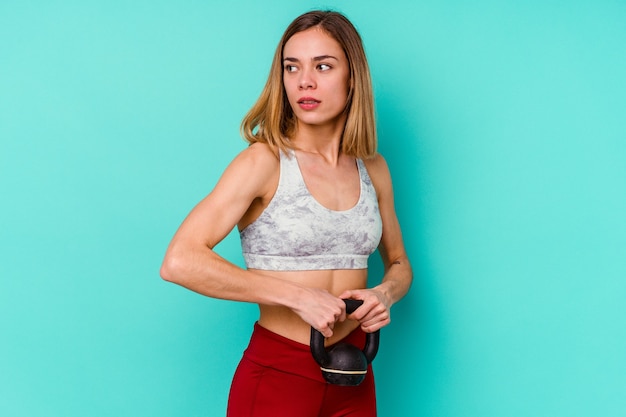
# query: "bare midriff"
285 322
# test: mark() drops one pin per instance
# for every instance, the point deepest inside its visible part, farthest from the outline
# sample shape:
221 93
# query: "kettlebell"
343 363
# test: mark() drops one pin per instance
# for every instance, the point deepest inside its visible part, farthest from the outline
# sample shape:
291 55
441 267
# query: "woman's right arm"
191 262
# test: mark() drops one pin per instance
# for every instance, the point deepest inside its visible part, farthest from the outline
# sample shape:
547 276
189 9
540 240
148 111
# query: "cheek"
344 85
289 89
345 88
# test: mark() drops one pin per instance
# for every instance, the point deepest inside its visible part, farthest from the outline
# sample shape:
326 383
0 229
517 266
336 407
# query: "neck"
323 140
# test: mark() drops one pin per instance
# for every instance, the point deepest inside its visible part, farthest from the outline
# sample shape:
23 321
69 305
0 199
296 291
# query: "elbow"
171 269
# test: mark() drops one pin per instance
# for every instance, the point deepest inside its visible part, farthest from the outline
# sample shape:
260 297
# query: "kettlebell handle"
320 354
352 305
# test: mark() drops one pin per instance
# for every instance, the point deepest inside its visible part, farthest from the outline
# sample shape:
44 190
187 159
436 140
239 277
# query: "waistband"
272 350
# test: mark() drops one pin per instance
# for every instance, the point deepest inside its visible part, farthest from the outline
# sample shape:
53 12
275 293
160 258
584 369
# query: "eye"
324 67
290 68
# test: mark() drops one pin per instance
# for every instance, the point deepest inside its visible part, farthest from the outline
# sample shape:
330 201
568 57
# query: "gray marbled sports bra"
295 232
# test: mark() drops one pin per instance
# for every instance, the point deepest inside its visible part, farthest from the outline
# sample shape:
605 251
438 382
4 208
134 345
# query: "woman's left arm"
377 301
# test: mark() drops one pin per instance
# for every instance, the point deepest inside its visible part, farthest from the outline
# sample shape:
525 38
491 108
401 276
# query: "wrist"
290 295
385 294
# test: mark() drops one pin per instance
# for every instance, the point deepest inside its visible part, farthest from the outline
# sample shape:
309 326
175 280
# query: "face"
316 77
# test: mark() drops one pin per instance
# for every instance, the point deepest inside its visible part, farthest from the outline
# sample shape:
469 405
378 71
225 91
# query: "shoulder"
376 163
257 161
378 171
256 172
251 171
259 155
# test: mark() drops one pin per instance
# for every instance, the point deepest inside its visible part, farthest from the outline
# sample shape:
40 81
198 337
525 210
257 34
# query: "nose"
306 80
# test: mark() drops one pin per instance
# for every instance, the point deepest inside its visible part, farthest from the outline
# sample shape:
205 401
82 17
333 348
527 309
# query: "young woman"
312 200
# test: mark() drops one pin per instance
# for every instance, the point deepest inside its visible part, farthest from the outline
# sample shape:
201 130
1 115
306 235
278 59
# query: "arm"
377 301
190 261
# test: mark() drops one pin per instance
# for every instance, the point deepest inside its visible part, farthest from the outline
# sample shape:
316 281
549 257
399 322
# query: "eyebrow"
316 59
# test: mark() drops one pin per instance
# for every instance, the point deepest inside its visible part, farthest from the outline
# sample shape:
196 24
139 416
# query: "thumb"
346 294
353 294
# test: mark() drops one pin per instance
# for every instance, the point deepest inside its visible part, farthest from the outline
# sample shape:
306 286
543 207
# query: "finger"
346 294
376 324
327 328
342 316
375 315
363 312
354 294
326 331
373 328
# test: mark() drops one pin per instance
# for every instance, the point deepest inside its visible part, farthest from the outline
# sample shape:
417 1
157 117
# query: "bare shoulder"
257 170
254 166
378 171
254 172
258 156
376 163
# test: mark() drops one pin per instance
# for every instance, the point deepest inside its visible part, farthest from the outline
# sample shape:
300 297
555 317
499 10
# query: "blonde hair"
271 119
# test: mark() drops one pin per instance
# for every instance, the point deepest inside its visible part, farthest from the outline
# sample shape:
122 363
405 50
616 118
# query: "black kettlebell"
343 363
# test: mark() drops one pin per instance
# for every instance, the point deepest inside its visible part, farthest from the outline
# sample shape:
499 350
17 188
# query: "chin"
319 121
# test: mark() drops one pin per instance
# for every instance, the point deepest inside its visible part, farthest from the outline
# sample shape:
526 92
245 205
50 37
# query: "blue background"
504 126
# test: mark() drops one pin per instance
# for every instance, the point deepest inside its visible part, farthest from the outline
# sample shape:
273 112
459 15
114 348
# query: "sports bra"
295 232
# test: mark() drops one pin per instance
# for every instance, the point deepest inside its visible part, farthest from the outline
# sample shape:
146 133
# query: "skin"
290 302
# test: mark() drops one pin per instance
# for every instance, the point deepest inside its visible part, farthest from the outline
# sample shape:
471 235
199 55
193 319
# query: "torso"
336 188
297 232
283 321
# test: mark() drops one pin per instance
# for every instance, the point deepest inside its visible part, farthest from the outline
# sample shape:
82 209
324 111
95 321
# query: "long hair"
271 119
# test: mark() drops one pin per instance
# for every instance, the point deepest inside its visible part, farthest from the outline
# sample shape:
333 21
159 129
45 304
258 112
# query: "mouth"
308 100
308 103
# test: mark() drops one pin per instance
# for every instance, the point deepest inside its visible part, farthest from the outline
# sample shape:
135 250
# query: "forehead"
311 43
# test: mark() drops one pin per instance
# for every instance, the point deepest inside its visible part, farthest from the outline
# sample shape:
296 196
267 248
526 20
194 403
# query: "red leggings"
278 377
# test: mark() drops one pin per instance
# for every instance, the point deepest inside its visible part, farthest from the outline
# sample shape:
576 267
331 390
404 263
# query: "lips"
308 103
308 100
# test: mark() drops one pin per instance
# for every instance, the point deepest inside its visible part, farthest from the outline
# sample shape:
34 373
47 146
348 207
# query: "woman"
312 200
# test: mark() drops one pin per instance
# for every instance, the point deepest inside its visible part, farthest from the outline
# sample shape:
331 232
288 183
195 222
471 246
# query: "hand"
374 313
321 310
